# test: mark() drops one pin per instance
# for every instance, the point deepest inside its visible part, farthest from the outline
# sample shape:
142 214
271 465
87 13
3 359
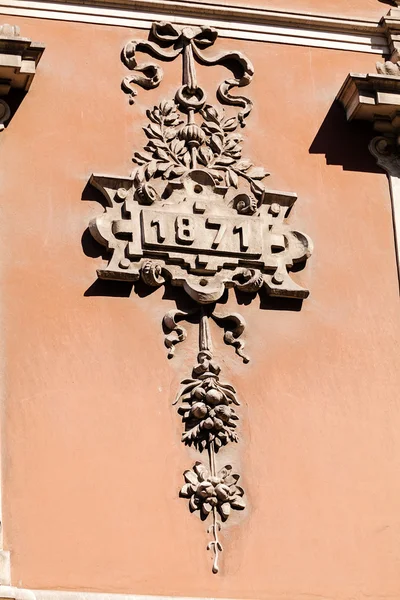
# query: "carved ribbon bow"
188 41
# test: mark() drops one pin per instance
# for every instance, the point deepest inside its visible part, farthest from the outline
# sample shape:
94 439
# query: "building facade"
200 299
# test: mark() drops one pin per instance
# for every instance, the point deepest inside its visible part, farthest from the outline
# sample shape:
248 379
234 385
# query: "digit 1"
159 224
244 231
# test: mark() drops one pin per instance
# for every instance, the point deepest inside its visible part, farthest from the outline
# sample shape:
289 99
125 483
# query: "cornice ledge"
14 593
254 15
240 22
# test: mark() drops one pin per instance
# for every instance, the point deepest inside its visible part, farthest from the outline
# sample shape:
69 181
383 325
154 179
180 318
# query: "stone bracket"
19 57
372 97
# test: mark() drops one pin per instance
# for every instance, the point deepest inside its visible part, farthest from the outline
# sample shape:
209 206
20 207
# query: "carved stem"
205 342
193 148
215 545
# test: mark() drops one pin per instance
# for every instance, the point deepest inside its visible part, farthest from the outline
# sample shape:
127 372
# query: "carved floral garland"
195 148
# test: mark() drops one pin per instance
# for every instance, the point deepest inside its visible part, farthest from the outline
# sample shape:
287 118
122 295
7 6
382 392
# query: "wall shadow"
14 99
345 143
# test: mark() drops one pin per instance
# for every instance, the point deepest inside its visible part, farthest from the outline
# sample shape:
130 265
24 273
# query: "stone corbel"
19 57
376 98
391 26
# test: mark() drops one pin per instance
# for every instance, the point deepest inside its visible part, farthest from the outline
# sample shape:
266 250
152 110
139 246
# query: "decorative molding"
8 592
245 23
391 26
18 60
196 214
5 568
14 593
387 154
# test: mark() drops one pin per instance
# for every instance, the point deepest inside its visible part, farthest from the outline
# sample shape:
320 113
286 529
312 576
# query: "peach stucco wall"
92 461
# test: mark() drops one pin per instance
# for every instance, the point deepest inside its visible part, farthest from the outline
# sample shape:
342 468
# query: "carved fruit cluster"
207 415
206 411
207 492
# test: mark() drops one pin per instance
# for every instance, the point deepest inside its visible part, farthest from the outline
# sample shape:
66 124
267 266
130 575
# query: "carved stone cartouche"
197 214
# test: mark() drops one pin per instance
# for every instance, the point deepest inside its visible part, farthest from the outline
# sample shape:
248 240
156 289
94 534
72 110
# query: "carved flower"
207 491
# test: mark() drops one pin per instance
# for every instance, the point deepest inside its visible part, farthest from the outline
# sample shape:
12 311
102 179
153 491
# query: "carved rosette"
196 213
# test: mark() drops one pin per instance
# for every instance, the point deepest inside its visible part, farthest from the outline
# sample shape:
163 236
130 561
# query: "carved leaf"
210 113
224 160
206 155
172 120
186 491
178 171
230 124
232 479
162 154
225 510
139 175
163 166
167 173
215 174
257 173
225 471
231 178
216 143
244 165
206 508
212 127
232 144
142 157
190 477
257 188
238 503
186 159
153 115
201 471
193 503
154 144
177 146
170 134
166 106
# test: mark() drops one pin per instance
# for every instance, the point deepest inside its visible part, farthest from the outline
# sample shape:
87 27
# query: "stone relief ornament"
197 214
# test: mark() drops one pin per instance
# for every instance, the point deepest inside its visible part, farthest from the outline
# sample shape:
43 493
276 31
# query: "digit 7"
220 233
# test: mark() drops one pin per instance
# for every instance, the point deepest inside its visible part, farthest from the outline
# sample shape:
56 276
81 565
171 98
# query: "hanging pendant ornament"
196 214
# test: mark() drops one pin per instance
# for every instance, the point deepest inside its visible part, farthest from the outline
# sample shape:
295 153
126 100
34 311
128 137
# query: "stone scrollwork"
197 214
386 151
388 68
